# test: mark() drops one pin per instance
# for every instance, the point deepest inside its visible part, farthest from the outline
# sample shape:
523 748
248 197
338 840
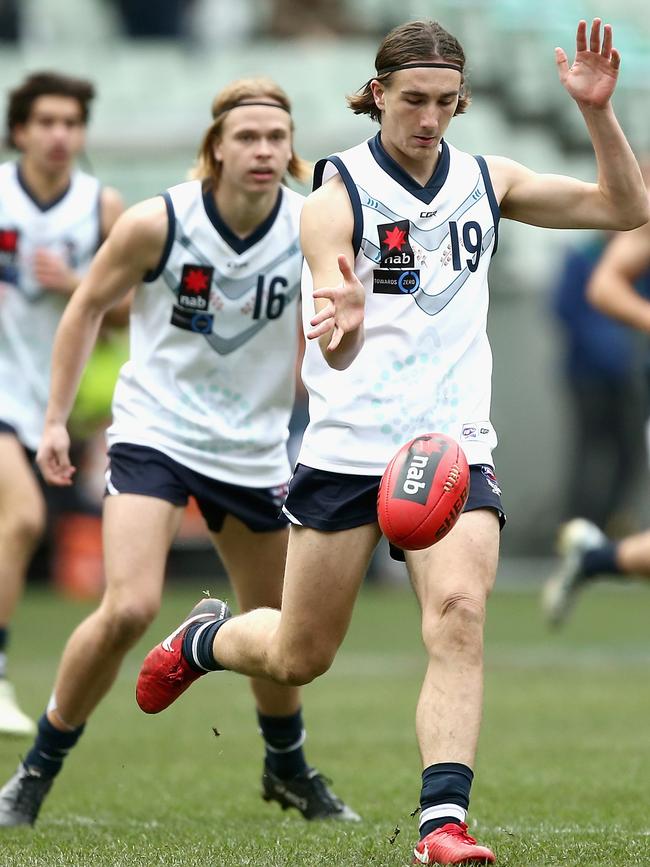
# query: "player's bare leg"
255 565
138 531
22 522
322 578
137 534
323 575
588 555
452 581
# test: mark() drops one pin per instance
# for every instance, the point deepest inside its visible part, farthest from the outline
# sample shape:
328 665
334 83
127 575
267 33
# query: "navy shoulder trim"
150 276
319 168
492 199
353 193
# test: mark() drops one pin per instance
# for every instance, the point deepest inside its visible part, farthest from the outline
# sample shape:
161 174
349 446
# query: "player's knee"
302 668
457 624
129 620
27 526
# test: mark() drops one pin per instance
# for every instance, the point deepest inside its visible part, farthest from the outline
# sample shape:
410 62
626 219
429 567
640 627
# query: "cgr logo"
425 214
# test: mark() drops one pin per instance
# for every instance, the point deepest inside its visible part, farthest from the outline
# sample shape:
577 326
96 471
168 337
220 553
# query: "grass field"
563 776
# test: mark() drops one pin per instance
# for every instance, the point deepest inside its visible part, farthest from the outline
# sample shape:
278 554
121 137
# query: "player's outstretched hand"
53 456
344 310
592 78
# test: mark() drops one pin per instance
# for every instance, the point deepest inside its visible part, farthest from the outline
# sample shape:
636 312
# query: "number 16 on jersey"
275 297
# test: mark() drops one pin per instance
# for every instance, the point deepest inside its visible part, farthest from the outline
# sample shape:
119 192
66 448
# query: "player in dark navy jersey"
587 553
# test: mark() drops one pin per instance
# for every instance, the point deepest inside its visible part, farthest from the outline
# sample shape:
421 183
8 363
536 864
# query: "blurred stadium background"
154 93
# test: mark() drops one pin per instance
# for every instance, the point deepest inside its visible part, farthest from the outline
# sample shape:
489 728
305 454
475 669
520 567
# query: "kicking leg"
322 578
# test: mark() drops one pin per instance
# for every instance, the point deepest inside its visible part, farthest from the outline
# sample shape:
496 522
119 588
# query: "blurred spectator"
10 21
162 19
602 375
317 19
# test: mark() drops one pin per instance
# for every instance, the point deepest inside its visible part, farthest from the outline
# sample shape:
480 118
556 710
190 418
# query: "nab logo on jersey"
190 313
394 246
9 240
8 255
194 291
398 274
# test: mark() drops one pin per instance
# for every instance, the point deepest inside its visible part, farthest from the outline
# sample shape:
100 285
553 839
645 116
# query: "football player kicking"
201 408
52 218
587 553
398 238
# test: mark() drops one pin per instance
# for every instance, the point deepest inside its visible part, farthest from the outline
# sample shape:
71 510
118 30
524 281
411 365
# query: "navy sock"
199 652
445 795
283 739
4 639
601 561
51 747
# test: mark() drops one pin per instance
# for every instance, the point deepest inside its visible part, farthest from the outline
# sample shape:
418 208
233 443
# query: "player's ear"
378 93
18 136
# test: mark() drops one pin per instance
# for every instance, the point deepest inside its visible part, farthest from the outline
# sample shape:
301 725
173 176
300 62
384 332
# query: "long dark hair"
408 43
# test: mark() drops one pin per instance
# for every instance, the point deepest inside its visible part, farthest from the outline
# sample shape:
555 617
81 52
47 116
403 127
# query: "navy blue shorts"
142 470
340 501
5 427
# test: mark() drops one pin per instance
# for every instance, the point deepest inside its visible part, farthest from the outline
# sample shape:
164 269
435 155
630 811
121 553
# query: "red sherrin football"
423 491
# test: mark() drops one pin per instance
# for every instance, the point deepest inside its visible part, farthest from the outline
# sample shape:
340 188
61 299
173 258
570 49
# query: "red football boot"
451 844
165 673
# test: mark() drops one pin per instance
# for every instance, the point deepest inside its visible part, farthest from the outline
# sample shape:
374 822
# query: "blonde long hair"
207 167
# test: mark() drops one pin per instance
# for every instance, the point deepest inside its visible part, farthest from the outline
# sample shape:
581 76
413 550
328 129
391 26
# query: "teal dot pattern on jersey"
207 399
394 417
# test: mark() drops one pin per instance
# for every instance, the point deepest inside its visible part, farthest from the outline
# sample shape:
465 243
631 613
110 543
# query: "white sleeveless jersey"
422 254
29 315
210 380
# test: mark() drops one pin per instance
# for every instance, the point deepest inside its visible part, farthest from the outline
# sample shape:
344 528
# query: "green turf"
562 775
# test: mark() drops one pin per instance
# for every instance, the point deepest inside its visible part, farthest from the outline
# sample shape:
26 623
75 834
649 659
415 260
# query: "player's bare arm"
112 207
51 270
618 199
611 288
326 229
133 247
